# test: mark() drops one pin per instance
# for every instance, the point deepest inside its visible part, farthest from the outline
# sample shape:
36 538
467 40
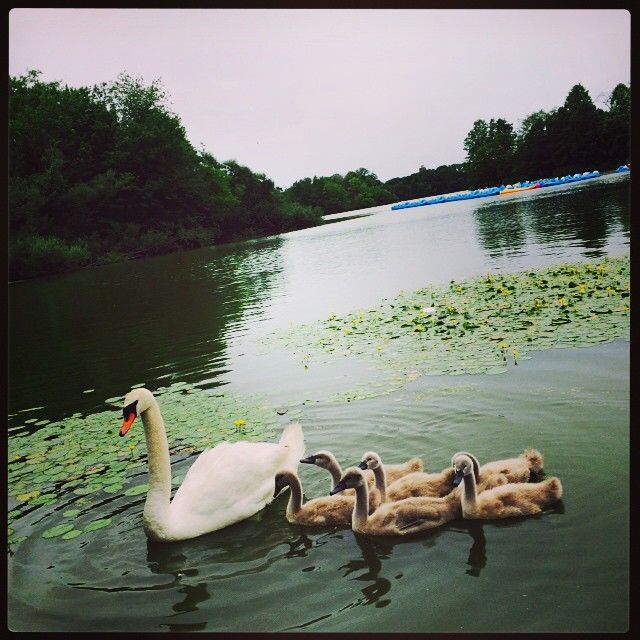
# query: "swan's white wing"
226 484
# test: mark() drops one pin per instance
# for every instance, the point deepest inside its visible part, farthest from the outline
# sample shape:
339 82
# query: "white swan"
224 485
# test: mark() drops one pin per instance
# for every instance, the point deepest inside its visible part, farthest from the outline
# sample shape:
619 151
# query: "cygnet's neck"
360 508
335 470
381 481
469 493
295 498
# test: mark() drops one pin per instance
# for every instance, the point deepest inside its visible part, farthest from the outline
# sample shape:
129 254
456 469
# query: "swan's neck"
381 481
360 508
469 494
295 499
156 507
336 473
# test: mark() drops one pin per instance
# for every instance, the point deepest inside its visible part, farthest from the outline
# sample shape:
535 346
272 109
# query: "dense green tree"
490 149
430 182
100 173
617 125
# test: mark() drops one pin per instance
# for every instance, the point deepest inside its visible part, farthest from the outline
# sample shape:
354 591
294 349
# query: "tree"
490 148
617 124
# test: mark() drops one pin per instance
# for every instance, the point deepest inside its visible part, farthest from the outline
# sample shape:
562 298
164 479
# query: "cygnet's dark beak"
341 486
363 465
280 484
309 459
457 478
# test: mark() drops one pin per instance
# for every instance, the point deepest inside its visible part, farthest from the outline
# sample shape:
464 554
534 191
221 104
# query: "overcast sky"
298 93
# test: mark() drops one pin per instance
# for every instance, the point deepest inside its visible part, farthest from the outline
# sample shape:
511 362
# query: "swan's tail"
535 459
293 438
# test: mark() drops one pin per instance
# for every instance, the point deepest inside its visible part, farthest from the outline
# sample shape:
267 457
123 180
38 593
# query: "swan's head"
351 479
136 402
323 459
464 464
370 460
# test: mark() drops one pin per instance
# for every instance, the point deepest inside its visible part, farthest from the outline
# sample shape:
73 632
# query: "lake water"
191 328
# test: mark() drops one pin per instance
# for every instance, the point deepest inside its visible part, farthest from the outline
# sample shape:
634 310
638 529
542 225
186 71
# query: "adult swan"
224 485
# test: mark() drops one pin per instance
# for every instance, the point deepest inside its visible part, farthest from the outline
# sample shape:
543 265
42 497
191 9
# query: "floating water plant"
481 324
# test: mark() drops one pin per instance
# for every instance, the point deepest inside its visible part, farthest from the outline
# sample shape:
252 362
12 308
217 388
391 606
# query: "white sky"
303 92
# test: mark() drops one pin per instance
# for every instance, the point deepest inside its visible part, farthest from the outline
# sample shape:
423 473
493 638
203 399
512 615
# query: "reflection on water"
587 218
373 552
111 327
477 559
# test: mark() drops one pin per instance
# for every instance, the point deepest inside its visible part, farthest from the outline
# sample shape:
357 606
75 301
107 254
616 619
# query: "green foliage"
430 182
575 137
357 189
36 255
490 149
98 174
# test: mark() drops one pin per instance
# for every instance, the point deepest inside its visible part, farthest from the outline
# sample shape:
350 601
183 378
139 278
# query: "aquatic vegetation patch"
480 324
81 461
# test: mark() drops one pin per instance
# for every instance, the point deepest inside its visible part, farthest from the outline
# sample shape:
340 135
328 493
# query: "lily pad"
98 524
74 533
58 530
137 490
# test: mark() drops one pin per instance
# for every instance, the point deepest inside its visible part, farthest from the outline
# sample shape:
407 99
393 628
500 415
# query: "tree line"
576 137
99 174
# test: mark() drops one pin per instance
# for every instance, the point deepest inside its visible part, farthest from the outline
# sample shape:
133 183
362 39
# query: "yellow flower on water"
610 291
419 327
504 291
332 316
582 288
503 345
25 497
562 302
240 422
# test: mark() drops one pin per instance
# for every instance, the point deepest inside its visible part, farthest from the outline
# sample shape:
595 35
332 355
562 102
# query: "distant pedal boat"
516 189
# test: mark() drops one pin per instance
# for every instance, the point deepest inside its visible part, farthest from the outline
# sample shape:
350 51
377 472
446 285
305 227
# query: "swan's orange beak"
126 425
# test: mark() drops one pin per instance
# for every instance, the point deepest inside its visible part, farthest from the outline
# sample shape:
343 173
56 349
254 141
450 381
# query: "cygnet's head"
370 460
323 459
282 480
351 479
463 465
136 402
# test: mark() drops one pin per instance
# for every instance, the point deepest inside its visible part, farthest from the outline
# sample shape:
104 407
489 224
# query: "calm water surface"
196 320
